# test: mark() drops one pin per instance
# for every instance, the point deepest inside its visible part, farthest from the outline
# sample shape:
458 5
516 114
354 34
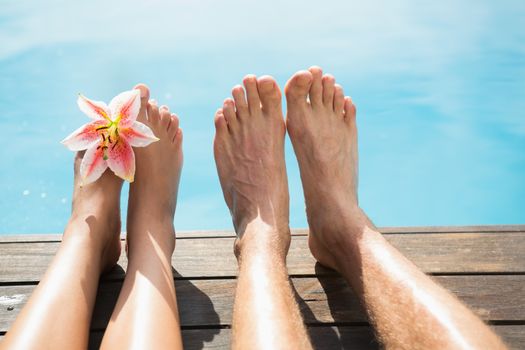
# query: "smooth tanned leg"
407 308
58 313
249 152
146 314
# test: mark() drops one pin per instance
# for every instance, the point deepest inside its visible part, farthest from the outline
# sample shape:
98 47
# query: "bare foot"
98 206
321 124
249 152
153 194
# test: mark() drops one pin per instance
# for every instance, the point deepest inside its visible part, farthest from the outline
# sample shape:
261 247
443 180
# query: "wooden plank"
323 338
513 336
453 229
57 237
10 238
323 300
329 338
433 253
194 339
384 230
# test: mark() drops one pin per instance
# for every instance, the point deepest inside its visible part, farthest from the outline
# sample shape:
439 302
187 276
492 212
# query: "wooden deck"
484 266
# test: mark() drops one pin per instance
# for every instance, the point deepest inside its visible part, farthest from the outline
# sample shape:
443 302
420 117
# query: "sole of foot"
249 154
322 127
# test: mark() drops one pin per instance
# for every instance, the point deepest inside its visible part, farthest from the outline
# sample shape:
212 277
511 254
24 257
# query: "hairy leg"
408 309
58 313
249 152
146 314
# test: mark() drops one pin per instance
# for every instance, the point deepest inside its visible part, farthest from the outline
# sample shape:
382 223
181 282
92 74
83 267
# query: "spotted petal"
121 159
84 137
93 109
125 107
93 165
139 135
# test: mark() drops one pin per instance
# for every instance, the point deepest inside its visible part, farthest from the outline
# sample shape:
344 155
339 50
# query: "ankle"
86 244
258 239
341 229
154 238
349 246
92 227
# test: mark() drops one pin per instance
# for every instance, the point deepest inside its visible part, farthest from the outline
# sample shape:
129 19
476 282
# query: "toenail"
153 101
316 69
164 107
266 82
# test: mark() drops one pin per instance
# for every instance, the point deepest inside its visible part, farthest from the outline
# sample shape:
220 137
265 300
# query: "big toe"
269 93
297 88
144 98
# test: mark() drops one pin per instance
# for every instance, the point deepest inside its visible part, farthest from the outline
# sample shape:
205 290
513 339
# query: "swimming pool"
440 91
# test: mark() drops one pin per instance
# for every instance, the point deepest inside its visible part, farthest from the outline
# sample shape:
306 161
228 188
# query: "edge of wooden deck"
57 237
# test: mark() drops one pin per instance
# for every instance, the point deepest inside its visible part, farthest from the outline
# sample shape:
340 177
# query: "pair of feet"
152 196
249 153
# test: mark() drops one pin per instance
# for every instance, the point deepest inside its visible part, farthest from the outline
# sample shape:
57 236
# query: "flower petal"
121 159
93 109
125 106
84 137
93 165
139 135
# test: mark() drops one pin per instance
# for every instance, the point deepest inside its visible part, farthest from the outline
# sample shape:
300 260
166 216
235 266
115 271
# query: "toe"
177 139
228 109
328 90
339 99
298 86
165 117
175 121
252 95
144 97
241 105
350 110
269 94
221 126
153 112
174 125
316 90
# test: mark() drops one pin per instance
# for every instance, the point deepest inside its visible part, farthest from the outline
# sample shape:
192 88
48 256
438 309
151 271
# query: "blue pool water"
440 89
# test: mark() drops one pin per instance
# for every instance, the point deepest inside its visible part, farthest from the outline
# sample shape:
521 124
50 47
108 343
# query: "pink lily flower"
109 138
